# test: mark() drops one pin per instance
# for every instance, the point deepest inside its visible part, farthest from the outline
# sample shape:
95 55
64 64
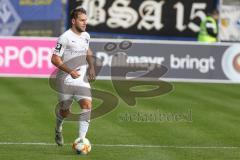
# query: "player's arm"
211 28
90 62
57 61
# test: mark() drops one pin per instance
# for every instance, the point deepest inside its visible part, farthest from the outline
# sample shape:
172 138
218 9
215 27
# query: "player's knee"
85 104
64 113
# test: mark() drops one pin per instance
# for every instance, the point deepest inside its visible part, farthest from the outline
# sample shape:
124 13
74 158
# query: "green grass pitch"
27 123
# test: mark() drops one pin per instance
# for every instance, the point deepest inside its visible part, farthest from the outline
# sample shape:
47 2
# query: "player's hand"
74 74
91 74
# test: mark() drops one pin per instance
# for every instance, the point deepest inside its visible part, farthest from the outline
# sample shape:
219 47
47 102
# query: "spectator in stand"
209 28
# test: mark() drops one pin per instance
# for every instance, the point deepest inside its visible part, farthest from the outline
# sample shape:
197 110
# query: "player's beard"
79 30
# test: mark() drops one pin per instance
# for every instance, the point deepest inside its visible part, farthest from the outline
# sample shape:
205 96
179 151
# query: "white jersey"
71 45
72 49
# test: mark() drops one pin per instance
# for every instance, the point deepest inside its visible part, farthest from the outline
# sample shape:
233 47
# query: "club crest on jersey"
87 41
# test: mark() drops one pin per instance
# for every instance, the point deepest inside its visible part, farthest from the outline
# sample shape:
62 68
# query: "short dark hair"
76 11
213 12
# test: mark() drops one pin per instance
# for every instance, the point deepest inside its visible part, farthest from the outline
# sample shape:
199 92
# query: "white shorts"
65 97
76 89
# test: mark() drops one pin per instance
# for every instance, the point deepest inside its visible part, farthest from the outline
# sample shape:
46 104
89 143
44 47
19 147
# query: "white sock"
59 122
84 122
83 129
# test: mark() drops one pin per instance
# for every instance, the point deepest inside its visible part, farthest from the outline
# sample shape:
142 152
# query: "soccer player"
73 47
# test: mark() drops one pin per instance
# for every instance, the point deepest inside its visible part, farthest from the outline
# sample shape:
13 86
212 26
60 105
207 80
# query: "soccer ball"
81 146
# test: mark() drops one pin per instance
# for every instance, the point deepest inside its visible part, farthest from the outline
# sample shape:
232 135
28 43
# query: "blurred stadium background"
198 119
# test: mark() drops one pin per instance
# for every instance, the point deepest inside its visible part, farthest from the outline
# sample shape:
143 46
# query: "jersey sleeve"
60 46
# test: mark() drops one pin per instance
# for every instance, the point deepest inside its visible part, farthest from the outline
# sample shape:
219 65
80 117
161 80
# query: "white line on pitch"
127 145
163 146
27 143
